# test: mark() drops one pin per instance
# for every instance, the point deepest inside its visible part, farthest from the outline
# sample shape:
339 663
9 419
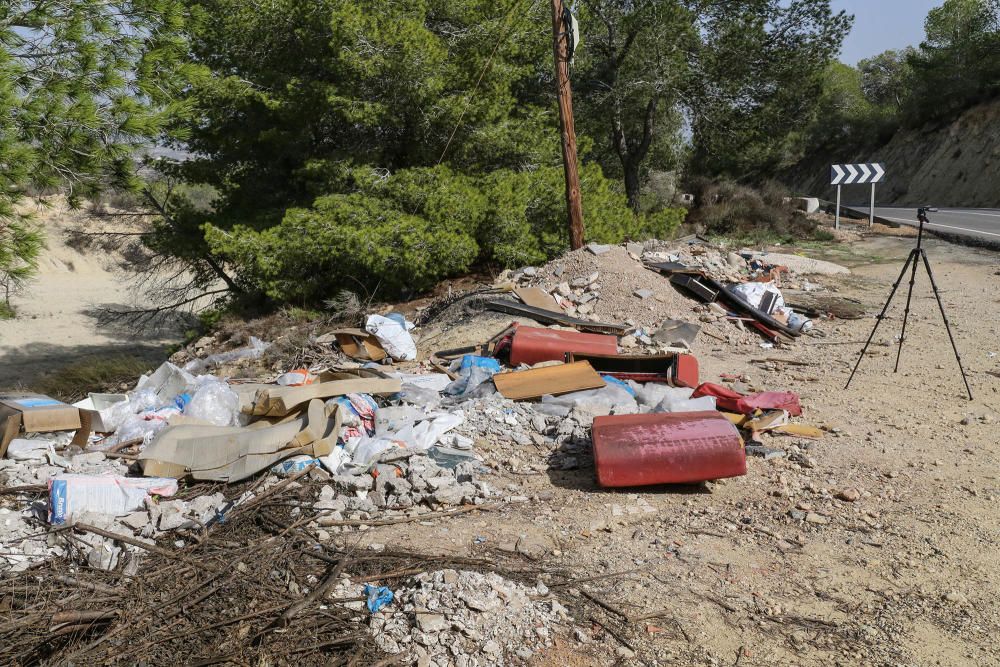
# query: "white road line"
954 212
937 224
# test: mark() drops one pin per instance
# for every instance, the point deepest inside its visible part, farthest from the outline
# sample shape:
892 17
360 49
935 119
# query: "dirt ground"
59 314
729 573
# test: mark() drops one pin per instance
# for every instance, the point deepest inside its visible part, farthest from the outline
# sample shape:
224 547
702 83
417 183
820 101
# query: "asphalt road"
981 223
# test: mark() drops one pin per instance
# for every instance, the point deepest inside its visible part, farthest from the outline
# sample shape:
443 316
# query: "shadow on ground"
24 366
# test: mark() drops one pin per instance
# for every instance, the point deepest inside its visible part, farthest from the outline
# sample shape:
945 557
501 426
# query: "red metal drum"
531 345
669 448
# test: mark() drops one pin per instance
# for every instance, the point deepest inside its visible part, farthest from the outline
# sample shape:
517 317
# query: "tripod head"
923 211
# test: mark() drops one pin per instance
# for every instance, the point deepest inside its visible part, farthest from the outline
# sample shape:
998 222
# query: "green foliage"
82 85
7 311
343 239
21 242
758 73
402 233
887 78
748 215
629 79
958 64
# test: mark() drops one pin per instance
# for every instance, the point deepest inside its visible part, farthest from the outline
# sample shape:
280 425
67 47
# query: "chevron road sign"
857 174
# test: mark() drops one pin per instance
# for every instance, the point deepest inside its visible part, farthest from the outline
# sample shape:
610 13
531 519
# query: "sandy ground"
723 574
57 316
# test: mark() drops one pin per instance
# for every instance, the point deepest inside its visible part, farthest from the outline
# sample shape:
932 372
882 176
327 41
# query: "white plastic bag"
393 336
425 434
24 449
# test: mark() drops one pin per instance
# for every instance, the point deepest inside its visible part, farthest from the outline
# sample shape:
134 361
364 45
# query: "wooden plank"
553 380
538 298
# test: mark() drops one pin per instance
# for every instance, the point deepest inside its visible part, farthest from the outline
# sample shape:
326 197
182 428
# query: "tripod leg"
878 320
906 313
944 317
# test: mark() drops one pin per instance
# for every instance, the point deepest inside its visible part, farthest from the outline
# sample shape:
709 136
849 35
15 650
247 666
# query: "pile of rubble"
466 619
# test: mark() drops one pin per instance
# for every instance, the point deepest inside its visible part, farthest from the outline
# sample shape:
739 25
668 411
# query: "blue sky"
880 25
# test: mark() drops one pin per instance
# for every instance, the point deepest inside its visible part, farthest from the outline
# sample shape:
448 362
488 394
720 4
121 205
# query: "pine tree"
84 85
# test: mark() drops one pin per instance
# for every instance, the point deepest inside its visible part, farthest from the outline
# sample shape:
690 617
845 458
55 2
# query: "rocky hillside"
954 165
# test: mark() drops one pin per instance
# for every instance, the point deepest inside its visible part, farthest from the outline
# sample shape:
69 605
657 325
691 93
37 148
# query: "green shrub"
401 234
763 215
344 240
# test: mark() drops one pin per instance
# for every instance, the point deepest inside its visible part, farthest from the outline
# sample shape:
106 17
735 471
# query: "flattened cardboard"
37 413
538 298
359 344
231 454
553 380
279 401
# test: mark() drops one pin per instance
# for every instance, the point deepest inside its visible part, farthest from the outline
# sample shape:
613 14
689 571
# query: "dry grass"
94 374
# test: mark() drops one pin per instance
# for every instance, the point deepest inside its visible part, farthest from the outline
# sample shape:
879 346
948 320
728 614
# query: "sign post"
848 174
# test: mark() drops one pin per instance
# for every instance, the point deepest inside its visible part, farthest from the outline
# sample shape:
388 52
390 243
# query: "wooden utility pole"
565 95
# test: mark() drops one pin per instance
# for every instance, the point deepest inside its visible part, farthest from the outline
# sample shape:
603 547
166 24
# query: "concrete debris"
464 618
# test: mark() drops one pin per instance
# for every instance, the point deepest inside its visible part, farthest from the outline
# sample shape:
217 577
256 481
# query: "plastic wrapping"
215 403
105 494
253 351
422 396
145 425
611 399
753 293
29 449
357 414
472 371
296 464
676 404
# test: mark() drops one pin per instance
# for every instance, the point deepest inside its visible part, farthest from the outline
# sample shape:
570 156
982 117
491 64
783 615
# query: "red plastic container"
531 345
671 448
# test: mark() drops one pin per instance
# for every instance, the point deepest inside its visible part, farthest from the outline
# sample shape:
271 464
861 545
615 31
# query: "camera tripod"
915 255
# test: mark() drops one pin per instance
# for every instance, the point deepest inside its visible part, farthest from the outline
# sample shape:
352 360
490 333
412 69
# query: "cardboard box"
22 412
99 407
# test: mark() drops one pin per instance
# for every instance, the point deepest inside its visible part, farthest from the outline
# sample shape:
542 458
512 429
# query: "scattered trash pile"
734 289
378 441
400 434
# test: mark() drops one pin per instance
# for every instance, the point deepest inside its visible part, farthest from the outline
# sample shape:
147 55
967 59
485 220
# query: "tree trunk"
632 185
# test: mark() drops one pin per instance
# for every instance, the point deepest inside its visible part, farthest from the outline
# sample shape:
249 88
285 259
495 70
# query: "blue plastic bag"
378 597
472 370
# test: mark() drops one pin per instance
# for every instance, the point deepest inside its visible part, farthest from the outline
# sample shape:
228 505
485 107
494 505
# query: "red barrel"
668 448
533 344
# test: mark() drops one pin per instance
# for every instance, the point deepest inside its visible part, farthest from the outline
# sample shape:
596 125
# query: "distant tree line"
955 67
